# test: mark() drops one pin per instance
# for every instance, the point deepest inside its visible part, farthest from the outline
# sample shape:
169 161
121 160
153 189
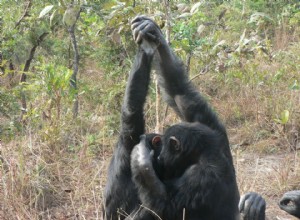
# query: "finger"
140 37
257 208
136 24
139 18
150 37
136 19
135 34
262 212
142 26
242 202
248 204
137 28
142 30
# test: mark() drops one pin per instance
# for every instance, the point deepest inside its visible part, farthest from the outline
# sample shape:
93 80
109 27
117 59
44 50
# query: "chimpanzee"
198 178
290 202
188 172
252 206
120 194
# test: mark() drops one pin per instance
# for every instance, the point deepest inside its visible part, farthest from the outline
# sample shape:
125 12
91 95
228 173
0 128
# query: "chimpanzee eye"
175 143
156 141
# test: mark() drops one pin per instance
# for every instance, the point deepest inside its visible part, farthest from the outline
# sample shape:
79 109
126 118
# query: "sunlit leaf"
295 85
46 10
200 29
182 7
195 7
222 42
243 35
285 116
52 17
184 15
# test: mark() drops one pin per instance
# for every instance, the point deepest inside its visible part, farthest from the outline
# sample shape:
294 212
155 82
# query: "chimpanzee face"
182 146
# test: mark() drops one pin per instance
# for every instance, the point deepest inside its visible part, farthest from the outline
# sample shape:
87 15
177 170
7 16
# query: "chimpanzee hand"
146 33
143 174
252 206
290 202
140 156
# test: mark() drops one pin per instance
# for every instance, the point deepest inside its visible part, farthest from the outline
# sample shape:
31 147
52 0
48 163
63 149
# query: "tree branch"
73 80
26 69
24 14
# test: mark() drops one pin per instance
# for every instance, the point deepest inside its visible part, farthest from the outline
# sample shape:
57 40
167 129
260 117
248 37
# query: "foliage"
243 55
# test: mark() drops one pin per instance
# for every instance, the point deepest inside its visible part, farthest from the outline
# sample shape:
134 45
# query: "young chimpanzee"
188 172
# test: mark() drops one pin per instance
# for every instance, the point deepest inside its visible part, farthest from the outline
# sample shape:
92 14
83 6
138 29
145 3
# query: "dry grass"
37 183
59 172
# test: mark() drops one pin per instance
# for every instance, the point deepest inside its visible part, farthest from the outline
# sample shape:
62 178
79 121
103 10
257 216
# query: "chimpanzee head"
183 145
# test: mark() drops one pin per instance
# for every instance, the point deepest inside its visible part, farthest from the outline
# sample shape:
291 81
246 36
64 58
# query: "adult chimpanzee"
194 173
198 178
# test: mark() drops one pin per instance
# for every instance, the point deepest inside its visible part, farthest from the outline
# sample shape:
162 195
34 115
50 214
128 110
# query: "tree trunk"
24 76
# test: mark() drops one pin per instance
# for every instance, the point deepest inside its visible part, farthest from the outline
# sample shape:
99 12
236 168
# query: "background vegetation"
63 70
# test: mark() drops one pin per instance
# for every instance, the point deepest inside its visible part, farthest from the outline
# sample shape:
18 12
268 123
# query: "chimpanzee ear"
156 141
175 143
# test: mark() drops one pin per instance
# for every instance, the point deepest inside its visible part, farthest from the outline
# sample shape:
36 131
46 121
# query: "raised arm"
132 122
120 193
178 91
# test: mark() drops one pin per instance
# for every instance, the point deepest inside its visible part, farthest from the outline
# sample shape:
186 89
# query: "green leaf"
52 17
70 15
295 85
285 117
46 10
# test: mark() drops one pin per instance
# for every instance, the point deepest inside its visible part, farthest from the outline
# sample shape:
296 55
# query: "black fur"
198 178
188 172
120 193
290 202
252 206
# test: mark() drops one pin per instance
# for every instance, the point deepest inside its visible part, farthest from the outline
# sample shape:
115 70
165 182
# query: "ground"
268 175
71 188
